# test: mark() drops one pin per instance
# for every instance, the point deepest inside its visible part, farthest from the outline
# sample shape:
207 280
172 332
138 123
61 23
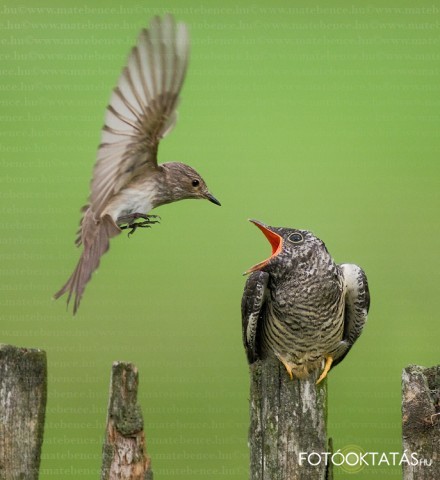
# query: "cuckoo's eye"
195 183
295 238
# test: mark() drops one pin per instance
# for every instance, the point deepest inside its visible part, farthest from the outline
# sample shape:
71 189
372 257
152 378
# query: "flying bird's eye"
296 238
195 183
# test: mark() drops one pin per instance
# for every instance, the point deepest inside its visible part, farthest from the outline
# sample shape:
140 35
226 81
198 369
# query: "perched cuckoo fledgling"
127 180
300 305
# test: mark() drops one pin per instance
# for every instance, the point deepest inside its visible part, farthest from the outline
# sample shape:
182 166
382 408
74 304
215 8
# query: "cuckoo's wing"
142 108
253 312
357 304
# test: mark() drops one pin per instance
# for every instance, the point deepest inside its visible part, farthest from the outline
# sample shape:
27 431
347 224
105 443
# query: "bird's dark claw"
134 226
128 221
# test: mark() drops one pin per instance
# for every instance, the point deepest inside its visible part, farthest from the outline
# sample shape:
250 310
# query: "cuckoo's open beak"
275 240
212 199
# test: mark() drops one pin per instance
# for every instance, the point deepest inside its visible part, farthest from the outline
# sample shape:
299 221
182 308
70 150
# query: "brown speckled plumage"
127 180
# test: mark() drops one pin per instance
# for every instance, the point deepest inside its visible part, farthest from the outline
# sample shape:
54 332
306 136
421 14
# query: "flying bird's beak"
275 240
212 199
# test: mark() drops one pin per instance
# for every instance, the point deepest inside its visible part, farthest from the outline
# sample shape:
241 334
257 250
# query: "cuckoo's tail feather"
96 241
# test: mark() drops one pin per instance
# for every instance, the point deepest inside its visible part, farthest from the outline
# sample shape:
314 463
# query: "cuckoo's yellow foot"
327 366
287 367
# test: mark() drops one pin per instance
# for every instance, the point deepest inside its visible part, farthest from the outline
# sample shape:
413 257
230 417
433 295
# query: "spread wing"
253 312
142 108
357 304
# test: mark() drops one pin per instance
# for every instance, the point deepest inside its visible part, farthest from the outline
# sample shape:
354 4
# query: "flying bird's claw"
134 226
129 221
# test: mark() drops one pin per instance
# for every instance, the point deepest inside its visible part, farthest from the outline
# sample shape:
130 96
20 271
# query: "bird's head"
184 182
290 247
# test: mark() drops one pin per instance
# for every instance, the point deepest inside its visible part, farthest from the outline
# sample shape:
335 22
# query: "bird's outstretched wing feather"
253 311
142 109
357 304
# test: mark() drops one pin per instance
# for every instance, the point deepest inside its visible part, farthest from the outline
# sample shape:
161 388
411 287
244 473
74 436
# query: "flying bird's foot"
128 221
327 366
135 226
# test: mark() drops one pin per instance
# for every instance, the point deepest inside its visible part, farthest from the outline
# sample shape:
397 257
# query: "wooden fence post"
288 423
421 422
23 390
124 453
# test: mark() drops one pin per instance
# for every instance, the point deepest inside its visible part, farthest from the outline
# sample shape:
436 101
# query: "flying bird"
301 306
127 180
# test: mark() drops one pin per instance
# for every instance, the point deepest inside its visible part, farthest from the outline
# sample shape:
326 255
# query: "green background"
296 114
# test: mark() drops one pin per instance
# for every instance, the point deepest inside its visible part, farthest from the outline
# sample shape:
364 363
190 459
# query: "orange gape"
276 242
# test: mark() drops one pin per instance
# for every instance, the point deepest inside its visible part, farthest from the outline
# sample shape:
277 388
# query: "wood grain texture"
23 393
286 417
421 422
124 452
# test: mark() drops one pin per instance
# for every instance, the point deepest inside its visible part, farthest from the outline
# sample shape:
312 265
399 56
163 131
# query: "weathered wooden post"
124 454
23 390
421 422
287 435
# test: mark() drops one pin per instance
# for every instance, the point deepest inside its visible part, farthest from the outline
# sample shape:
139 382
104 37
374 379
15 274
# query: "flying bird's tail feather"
95 237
